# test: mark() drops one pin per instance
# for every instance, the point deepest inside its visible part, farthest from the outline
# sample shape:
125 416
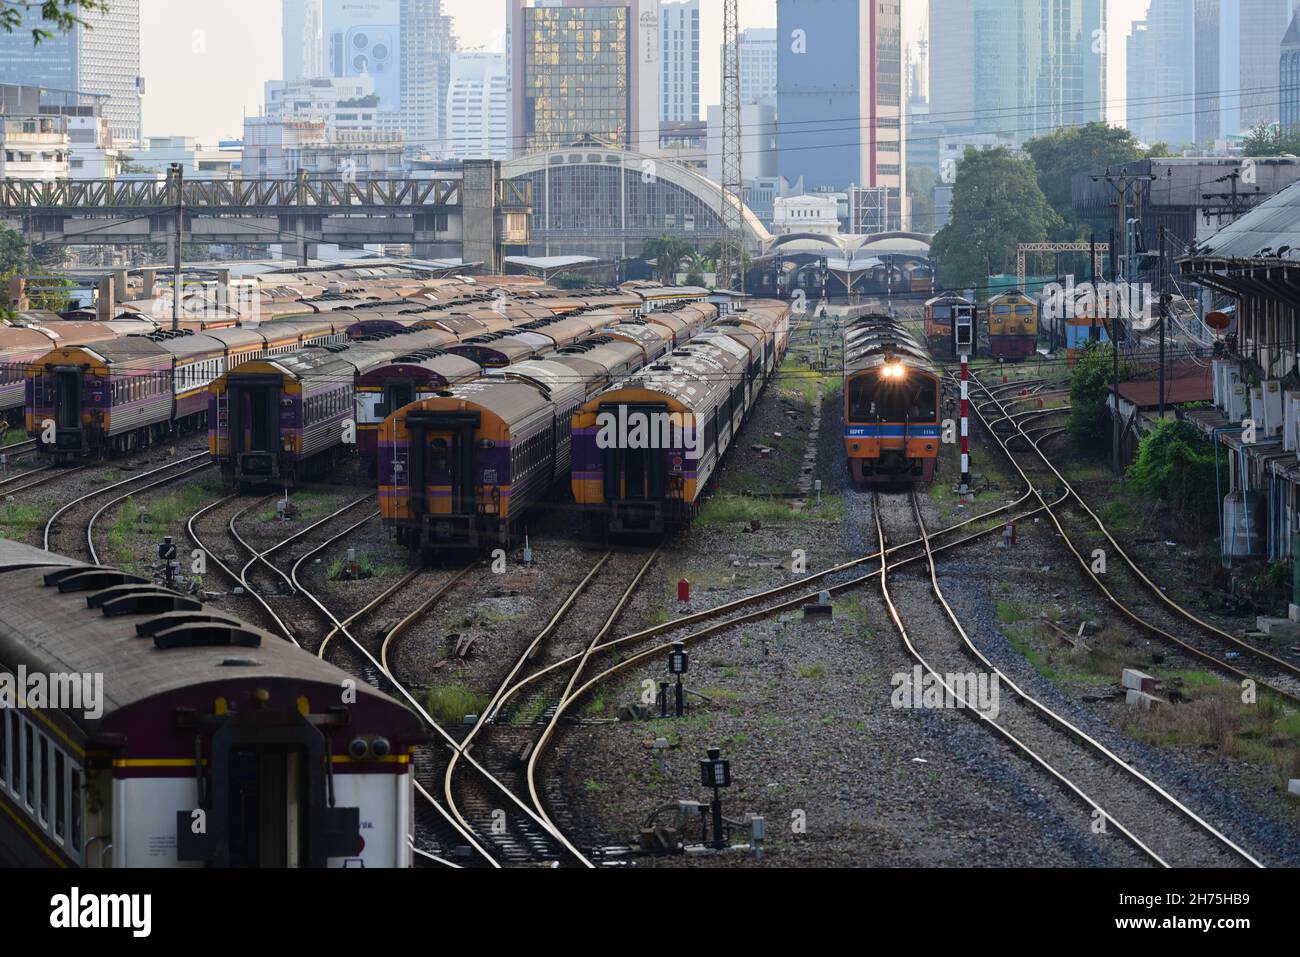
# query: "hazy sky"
205 61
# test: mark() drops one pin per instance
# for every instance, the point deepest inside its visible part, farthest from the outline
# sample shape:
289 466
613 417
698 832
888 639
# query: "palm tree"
667 253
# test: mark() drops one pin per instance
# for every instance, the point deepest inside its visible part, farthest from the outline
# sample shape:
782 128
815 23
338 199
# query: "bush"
1175 464
1089 384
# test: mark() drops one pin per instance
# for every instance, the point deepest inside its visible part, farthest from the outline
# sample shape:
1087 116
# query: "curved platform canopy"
682 192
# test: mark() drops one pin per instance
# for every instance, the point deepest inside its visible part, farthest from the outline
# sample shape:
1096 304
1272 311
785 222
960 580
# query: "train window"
29 766
43 781
74 790
16 749
60 795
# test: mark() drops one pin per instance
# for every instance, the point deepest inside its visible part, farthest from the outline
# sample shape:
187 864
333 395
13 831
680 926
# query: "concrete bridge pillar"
107 306
478 207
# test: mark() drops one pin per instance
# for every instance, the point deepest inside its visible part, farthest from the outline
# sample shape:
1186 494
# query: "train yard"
810 605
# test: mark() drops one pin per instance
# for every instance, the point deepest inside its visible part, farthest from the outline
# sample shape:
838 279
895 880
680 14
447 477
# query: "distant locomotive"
891 403
195 711
950 320
1013 326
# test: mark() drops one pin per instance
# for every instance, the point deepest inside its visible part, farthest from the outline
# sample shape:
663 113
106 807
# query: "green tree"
667 253
1175 464
15 259
1089 397
57 16
996 204
1059 155
1271 140
921 181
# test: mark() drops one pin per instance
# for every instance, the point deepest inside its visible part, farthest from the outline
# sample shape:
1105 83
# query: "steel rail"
53 520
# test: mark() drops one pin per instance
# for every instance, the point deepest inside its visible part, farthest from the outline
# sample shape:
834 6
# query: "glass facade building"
1039 65
101 58
843 125
575 80
1289 77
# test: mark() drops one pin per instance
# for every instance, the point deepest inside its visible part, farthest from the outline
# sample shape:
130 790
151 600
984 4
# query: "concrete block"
1293 612
1137 681
1140 699
1278 627
1293 786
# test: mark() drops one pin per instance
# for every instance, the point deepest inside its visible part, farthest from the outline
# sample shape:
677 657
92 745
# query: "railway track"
1124 584
22 481
438 841
151 478
512 733
1133 806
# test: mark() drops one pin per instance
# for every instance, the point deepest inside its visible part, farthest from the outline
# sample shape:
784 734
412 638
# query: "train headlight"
380 747
855 447
358 748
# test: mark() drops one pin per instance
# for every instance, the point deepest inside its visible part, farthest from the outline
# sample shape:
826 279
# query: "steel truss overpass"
460 216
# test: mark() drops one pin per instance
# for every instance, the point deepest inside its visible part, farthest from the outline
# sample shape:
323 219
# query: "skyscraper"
478 107
679 64
585 68
427 43
1289 76
303 39
1236 48
952 66
1162 75
840 112
1039 65
757 66
102 57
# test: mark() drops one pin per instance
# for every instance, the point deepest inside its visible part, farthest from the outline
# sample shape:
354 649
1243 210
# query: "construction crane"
731 264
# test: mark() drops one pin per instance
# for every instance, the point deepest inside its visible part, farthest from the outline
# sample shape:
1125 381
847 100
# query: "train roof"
510 399
60 617
451 369
561 382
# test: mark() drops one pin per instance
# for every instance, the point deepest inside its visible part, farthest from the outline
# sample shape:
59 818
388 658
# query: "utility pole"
1163 312
1114 371
178 177
733 224
1122 183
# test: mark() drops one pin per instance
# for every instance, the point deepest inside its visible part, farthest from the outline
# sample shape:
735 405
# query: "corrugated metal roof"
1260 233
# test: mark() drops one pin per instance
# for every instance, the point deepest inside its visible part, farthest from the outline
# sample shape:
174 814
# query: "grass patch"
388 561
813 672
1213 716
13 437
1009 612
452 702
593 786
596 706
135 529
725 507
16 520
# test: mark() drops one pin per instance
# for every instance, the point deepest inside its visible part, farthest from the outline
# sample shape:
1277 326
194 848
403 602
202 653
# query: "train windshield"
912 399
941 312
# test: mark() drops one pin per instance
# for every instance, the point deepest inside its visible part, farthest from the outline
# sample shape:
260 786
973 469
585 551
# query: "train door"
634 466
398 395
267 796
67 400
254 423
442 461
266 823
